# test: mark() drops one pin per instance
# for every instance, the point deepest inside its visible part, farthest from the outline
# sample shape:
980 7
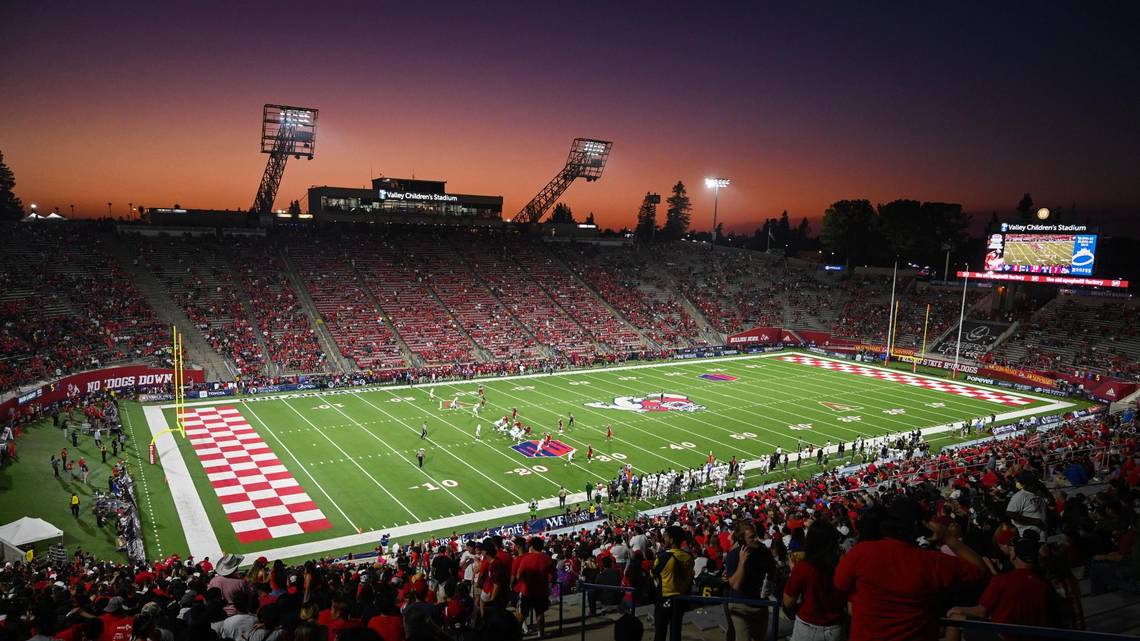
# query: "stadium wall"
108 379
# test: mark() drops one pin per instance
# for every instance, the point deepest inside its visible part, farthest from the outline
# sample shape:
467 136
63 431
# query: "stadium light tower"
587 159
285 131
715 184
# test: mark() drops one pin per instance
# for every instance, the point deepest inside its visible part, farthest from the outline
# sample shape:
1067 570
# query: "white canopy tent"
28 530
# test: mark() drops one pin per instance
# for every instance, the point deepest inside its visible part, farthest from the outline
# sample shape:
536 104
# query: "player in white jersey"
478 429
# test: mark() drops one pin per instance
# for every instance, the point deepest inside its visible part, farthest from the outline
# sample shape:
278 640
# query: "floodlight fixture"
285 131
587 160
290 130
715 184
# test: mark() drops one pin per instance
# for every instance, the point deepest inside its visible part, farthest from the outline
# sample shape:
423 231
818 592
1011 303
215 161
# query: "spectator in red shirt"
388 624
336 620
117 624
1019 597
812 585
535 571
896 588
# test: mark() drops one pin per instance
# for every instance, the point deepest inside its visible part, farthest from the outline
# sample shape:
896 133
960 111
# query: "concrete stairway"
198 351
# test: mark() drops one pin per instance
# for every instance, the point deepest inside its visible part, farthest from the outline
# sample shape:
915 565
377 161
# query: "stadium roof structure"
29 530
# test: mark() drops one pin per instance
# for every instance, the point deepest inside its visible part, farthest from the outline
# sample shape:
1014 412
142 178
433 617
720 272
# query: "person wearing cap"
1019 597
117 623
894 587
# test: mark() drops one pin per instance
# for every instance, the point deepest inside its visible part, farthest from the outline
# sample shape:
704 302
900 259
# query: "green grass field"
354 452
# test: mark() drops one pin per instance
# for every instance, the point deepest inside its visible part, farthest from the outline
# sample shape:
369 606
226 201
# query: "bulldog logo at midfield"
664 402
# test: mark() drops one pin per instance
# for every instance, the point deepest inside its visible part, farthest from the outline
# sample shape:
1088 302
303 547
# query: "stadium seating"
623 280
1085 336
281 318
67 305
495 261
200 279
344 304
398 272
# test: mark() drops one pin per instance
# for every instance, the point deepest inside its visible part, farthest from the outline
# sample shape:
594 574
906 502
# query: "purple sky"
154 104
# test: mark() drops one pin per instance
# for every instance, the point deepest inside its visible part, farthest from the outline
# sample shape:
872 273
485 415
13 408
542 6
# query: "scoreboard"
1064 250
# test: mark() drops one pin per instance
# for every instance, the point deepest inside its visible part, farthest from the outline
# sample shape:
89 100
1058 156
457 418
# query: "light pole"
715 184
72 210
108 210
130 208
33 209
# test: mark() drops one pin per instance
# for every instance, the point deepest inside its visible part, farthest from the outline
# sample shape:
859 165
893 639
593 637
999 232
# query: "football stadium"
429 409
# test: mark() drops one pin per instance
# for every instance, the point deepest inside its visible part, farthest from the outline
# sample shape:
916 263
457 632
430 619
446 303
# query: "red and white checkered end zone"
907 379
261 498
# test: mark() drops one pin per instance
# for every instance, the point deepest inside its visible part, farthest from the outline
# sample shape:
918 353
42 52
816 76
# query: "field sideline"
344 461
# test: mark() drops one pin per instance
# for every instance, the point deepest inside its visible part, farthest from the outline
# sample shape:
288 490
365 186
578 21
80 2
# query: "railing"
773 619
1035 632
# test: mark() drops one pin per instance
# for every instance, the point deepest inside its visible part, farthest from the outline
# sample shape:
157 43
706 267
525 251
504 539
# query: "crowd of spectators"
51 321
991 530
624 280
1081 337
200 279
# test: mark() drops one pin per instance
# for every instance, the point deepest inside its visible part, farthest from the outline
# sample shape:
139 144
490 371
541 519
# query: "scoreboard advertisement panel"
1066 250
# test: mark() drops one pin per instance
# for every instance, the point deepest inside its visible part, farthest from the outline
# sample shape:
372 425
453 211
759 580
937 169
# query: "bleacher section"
281 318
398 298
622 279
344 305
66 305
200 279
1101 336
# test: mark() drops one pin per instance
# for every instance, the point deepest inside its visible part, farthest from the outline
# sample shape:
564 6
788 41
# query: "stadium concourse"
997 529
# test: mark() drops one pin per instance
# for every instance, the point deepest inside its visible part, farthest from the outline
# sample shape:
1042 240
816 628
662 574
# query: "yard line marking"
378 483
294 457
405 459
429 440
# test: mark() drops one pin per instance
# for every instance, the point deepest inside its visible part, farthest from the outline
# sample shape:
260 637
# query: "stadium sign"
1047 229
386 194
663 402
1046 279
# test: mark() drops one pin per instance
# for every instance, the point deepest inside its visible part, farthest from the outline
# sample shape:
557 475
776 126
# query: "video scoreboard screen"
1042 249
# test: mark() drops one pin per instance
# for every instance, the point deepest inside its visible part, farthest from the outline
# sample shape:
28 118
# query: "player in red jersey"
514 413
589 453
609 432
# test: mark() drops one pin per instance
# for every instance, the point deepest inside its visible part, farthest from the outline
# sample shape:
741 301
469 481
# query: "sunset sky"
156 103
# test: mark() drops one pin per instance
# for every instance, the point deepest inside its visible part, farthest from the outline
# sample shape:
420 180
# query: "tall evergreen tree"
647 219
11 208
678 214
562 214
1025 209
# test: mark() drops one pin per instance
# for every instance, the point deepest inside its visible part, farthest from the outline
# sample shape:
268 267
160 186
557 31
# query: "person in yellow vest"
673 576
75 505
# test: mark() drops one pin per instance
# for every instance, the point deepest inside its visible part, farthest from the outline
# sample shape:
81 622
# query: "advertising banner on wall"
127 377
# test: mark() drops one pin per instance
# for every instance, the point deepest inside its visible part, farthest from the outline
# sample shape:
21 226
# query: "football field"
303 473
1047 252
